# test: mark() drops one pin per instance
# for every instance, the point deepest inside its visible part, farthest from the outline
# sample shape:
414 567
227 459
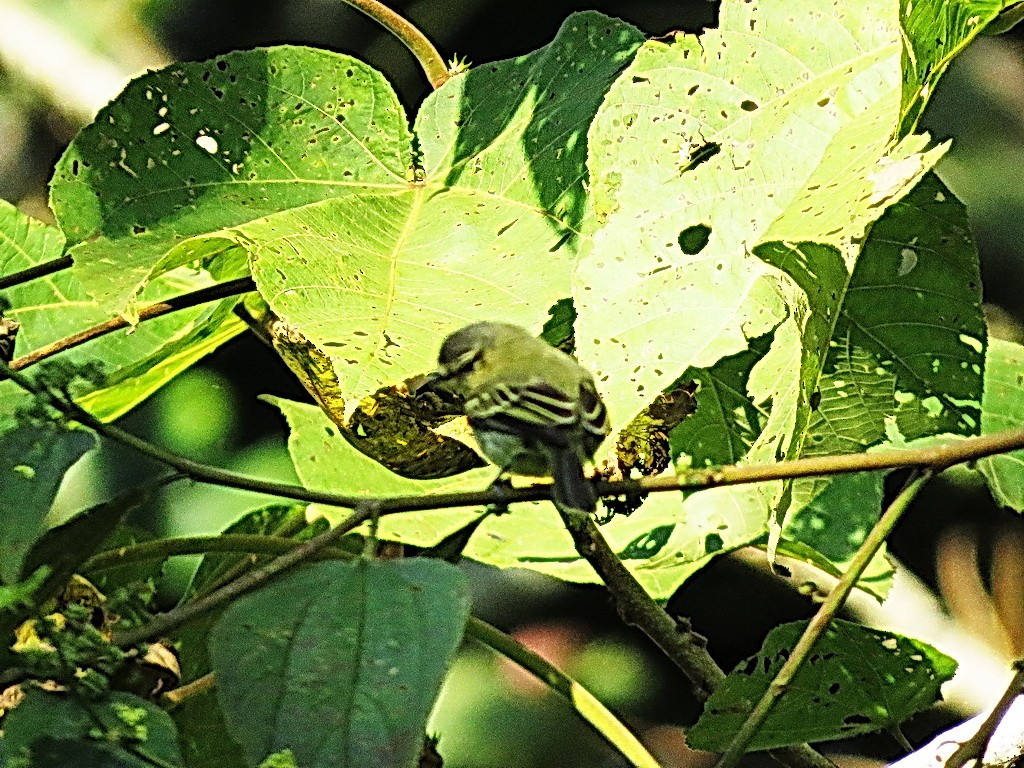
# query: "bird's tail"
571 488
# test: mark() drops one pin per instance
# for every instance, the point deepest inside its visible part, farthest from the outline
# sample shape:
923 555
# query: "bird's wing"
593 415
535 403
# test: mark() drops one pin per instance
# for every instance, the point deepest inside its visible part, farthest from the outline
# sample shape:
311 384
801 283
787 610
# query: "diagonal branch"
174 304
817 626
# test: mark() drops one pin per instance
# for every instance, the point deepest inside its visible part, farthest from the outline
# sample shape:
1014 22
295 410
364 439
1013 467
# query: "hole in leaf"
693 240
701 154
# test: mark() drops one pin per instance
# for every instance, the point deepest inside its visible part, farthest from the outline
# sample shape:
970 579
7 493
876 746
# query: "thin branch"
411 37
975 747
308 550
872 543
34 272
174 304
938 457
159 549
684 647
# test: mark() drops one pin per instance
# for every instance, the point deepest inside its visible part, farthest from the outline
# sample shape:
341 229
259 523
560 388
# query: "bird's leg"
500 486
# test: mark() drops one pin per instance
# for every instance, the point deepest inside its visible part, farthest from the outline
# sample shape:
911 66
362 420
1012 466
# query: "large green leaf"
197 147
340 662
530 536
205 737
33 460
777 148
302 161
856 680
738 132
133 364
54 730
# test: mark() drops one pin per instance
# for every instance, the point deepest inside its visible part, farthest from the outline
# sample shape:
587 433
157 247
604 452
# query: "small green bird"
533 409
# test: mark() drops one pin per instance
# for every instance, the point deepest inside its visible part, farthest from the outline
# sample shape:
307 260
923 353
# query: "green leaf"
62 550
340 662
520 125
53 730
196 147
743 150
856 680
1003 408
205 737
302 162
270 520
379 279
872 351
936 31
133 365
726 422
33 460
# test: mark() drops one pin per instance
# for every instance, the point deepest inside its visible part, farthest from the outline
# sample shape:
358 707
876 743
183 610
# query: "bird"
533 409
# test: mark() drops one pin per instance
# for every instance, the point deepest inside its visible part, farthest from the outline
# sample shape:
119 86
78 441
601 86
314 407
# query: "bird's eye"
469 361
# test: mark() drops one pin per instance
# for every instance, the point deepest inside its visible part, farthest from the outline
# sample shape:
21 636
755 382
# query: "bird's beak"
424 383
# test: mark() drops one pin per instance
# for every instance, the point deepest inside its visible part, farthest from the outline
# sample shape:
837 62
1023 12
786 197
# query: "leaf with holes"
302 161
856 680
755 131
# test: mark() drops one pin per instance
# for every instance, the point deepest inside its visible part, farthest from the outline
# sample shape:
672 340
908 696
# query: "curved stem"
421 47
817 625
174 304
304 552
593 712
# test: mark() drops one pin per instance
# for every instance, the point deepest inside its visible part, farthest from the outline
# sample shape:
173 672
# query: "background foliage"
752 210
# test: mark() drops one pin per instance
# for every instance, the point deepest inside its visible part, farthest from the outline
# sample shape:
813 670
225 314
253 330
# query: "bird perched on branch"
533 409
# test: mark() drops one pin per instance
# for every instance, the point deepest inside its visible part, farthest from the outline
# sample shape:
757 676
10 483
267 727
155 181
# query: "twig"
938 457
418 43
975 747
35 272
249 581
684 647
174 304
874 540
237 543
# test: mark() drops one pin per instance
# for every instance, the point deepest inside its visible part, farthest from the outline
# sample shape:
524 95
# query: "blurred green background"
60 61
